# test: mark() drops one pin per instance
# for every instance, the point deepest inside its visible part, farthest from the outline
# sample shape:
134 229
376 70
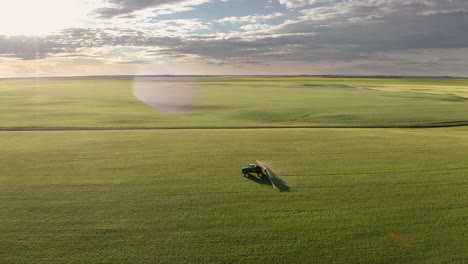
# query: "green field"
178 196
235 101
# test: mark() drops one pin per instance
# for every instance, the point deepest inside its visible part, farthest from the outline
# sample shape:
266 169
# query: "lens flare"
173 95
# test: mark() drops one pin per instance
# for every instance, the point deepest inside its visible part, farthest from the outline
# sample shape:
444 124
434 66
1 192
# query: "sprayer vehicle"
253 168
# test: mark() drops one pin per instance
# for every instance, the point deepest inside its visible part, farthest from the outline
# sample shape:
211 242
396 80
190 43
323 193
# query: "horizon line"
242 75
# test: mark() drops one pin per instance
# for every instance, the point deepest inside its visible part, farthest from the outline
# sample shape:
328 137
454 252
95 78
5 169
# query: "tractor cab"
253 168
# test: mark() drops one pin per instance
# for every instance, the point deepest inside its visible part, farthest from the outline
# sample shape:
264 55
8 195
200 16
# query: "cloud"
116 8
250 19
32 48
435 12
177 26
345 31
79 42
256 27
135 62
389 33
383 25
300 3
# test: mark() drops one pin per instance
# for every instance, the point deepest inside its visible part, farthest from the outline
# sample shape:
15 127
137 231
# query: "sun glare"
37 17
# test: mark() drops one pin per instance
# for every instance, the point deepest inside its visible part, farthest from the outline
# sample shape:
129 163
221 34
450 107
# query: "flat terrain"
234 101
179 196
348 195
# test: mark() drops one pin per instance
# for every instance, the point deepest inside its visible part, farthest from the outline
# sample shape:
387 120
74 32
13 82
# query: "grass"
235 101
179 196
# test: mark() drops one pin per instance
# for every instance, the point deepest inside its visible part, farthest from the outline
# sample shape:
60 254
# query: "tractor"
253 168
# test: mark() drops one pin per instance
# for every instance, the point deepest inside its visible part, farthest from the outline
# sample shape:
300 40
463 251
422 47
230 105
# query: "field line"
458 124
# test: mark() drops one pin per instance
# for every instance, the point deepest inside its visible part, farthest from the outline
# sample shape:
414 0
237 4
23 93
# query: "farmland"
234 101
177 196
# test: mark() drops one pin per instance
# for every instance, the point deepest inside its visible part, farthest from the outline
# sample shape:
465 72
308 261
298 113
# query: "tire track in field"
455 124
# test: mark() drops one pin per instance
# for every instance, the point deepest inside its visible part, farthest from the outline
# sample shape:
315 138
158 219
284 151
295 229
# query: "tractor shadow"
275 181
278 182
262 180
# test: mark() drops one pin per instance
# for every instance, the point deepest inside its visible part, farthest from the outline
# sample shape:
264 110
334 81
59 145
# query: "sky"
230 37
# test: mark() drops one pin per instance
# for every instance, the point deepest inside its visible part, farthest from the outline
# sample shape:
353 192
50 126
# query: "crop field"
349 195
234 101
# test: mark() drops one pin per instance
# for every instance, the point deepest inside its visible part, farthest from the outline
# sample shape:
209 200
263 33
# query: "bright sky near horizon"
363 37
